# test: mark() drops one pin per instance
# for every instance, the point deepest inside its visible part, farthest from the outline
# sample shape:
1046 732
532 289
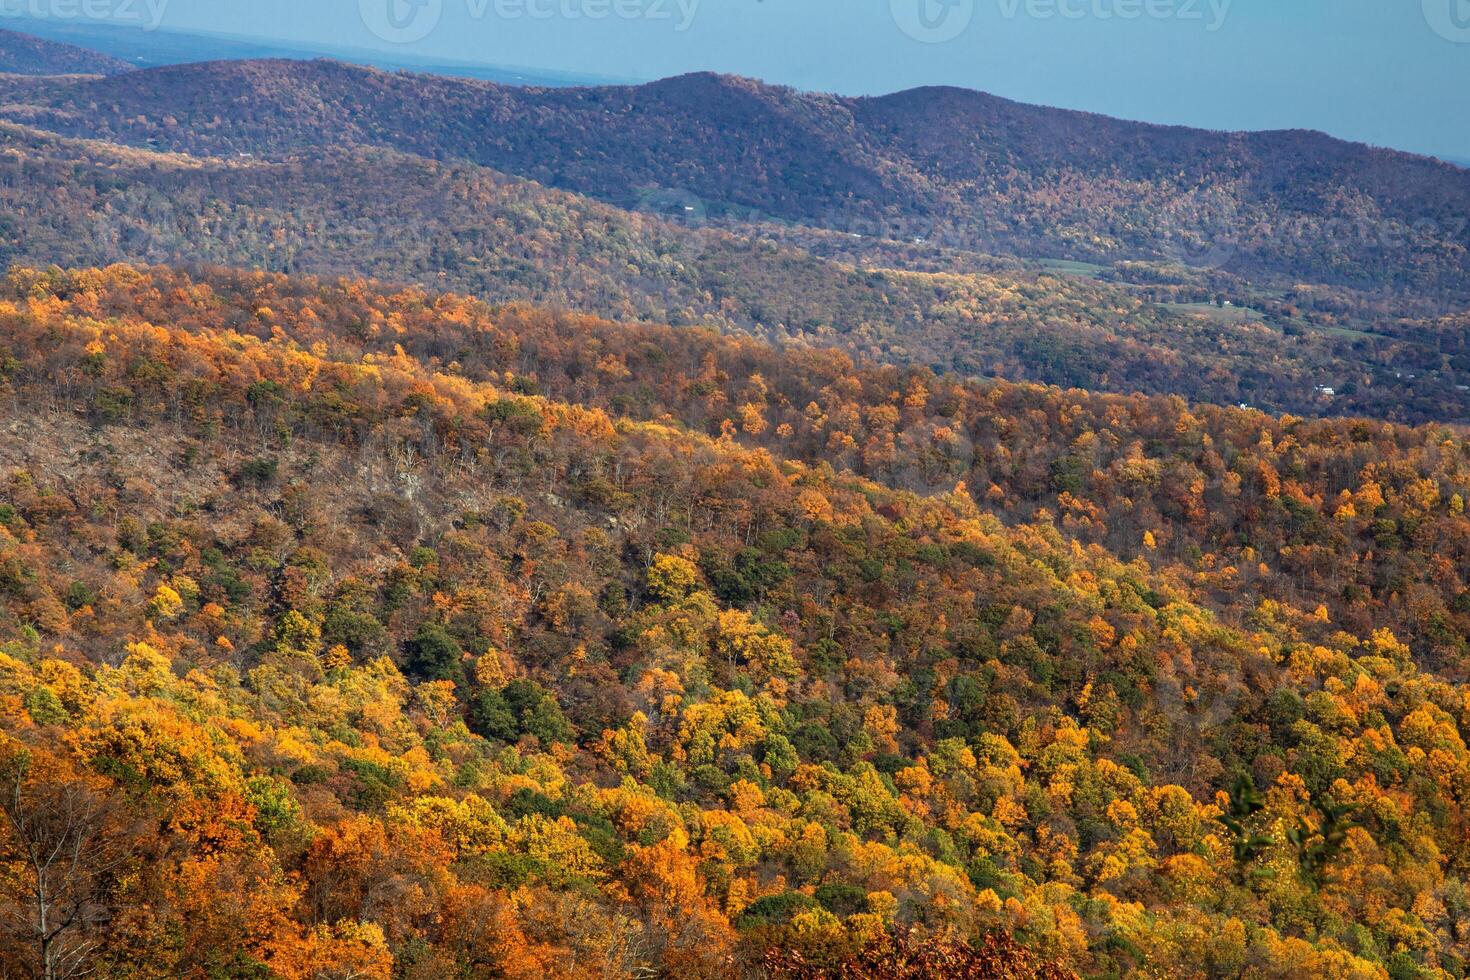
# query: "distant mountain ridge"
144 47
974 169
504 239
25 54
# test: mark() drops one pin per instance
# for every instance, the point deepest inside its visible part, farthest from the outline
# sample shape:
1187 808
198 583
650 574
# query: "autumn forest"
520 579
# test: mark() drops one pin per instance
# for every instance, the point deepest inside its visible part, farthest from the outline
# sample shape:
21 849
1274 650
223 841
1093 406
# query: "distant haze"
1391 74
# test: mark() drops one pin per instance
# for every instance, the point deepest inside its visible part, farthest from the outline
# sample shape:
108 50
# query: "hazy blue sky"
1390 72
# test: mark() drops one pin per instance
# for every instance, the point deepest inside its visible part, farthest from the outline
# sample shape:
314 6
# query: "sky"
1387 72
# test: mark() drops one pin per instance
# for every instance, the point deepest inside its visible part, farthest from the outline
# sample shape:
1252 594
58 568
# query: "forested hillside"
1242 504
1130 327
946 165
25 54
705 529
373 634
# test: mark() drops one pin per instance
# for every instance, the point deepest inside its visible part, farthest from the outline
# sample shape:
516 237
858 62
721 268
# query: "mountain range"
26 54
946 165
705 529
872 224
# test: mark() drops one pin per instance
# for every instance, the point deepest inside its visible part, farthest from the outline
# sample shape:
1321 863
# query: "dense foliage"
349 633
943 164
1150 328
1365 518
25 54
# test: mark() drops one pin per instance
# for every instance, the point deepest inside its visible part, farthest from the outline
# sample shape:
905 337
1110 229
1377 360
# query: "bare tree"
61 839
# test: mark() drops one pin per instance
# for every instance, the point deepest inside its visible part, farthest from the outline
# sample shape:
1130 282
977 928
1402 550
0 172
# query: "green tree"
434 655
